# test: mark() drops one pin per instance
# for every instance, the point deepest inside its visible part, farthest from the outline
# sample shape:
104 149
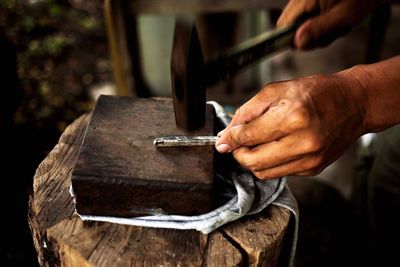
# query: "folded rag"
247 195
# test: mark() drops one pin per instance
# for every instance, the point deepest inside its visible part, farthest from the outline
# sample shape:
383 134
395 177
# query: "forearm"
380 85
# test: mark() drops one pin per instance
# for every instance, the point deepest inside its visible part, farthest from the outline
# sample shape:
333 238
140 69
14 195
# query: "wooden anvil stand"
61 238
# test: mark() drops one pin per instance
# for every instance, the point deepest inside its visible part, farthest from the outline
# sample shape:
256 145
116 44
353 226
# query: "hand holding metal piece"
183 140
191 74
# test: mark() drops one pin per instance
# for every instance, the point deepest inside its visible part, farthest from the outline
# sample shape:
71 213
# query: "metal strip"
182 140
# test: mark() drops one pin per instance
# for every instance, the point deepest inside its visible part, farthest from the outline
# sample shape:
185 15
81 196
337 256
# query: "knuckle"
254 167
267 174
267 88
312 144
240 111
260 175
249 164
239 156
315 163
244 161
314 166
313 172
299 118
242 158
315 80
242 136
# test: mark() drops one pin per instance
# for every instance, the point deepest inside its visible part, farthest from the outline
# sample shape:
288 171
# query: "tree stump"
61 238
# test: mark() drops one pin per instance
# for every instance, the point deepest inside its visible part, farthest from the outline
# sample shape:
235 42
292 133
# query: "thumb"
323 29
234 137
263 129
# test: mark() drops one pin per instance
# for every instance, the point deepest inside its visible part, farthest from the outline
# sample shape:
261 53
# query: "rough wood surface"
62 239
119 171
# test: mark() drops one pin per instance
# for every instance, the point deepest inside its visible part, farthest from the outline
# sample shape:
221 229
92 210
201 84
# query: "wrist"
378 94
357 87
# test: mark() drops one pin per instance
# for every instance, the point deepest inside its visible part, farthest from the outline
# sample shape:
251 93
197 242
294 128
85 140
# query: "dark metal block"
119 172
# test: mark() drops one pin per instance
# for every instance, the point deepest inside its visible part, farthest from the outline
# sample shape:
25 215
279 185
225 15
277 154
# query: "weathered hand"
336 18
296 127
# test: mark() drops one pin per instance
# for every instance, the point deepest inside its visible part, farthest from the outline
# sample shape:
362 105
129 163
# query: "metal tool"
191 75
183 140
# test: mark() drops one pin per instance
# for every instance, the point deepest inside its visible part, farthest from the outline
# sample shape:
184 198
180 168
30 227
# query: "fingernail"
221 133
304 40
223 148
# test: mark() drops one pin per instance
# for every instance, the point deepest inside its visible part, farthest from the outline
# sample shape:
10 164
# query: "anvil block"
119 172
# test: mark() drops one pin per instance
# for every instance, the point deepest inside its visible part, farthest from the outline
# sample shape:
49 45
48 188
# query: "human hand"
296 127
337 17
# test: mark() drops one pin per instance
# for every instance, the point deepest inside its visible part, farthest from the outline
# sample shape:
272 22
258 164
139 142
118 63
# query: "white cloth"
246 195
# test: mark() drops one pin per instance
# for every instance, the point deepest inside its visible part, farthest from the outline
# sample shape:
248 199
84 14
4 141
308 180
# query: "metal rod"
183 140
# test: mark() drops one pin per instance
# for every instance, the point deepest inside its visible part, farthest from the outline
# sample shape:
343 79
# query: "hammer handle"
236 59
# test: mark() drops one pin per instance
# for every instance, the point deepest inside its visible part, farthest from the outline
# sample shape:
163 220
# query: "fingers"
249 111
302 167
294 9
252 109
249 134
284 117
263 129
335 19
273 154
278 165
303 39
323 29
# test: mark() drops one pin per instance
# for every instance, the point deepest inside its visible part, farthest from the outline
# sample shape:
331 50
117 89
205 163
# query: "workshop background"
54 61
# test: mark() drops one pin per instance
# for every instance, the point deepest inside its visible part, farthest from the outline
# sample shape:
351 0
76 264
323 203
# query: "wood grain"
120 172
62 239
254 233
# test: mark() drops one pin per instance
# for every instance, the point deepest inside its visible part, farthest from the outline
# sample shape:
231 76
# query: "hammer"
190 75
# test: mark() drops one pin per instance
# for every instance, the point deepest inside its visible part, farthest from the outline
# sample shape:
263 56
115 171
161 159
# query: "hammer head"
187 76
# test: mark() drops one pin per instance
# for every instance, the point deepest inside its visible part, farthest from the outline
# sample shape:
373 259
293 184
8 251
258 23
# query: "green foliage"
88 23
55 11
52 45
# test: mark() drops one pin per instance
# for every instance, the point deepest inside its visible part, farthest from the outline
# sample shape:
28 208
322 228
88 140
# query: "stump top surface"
62 239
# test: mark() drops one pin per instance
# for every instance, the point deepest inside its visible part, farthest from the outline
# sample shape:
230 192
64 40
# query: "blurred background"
55 61
51 54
